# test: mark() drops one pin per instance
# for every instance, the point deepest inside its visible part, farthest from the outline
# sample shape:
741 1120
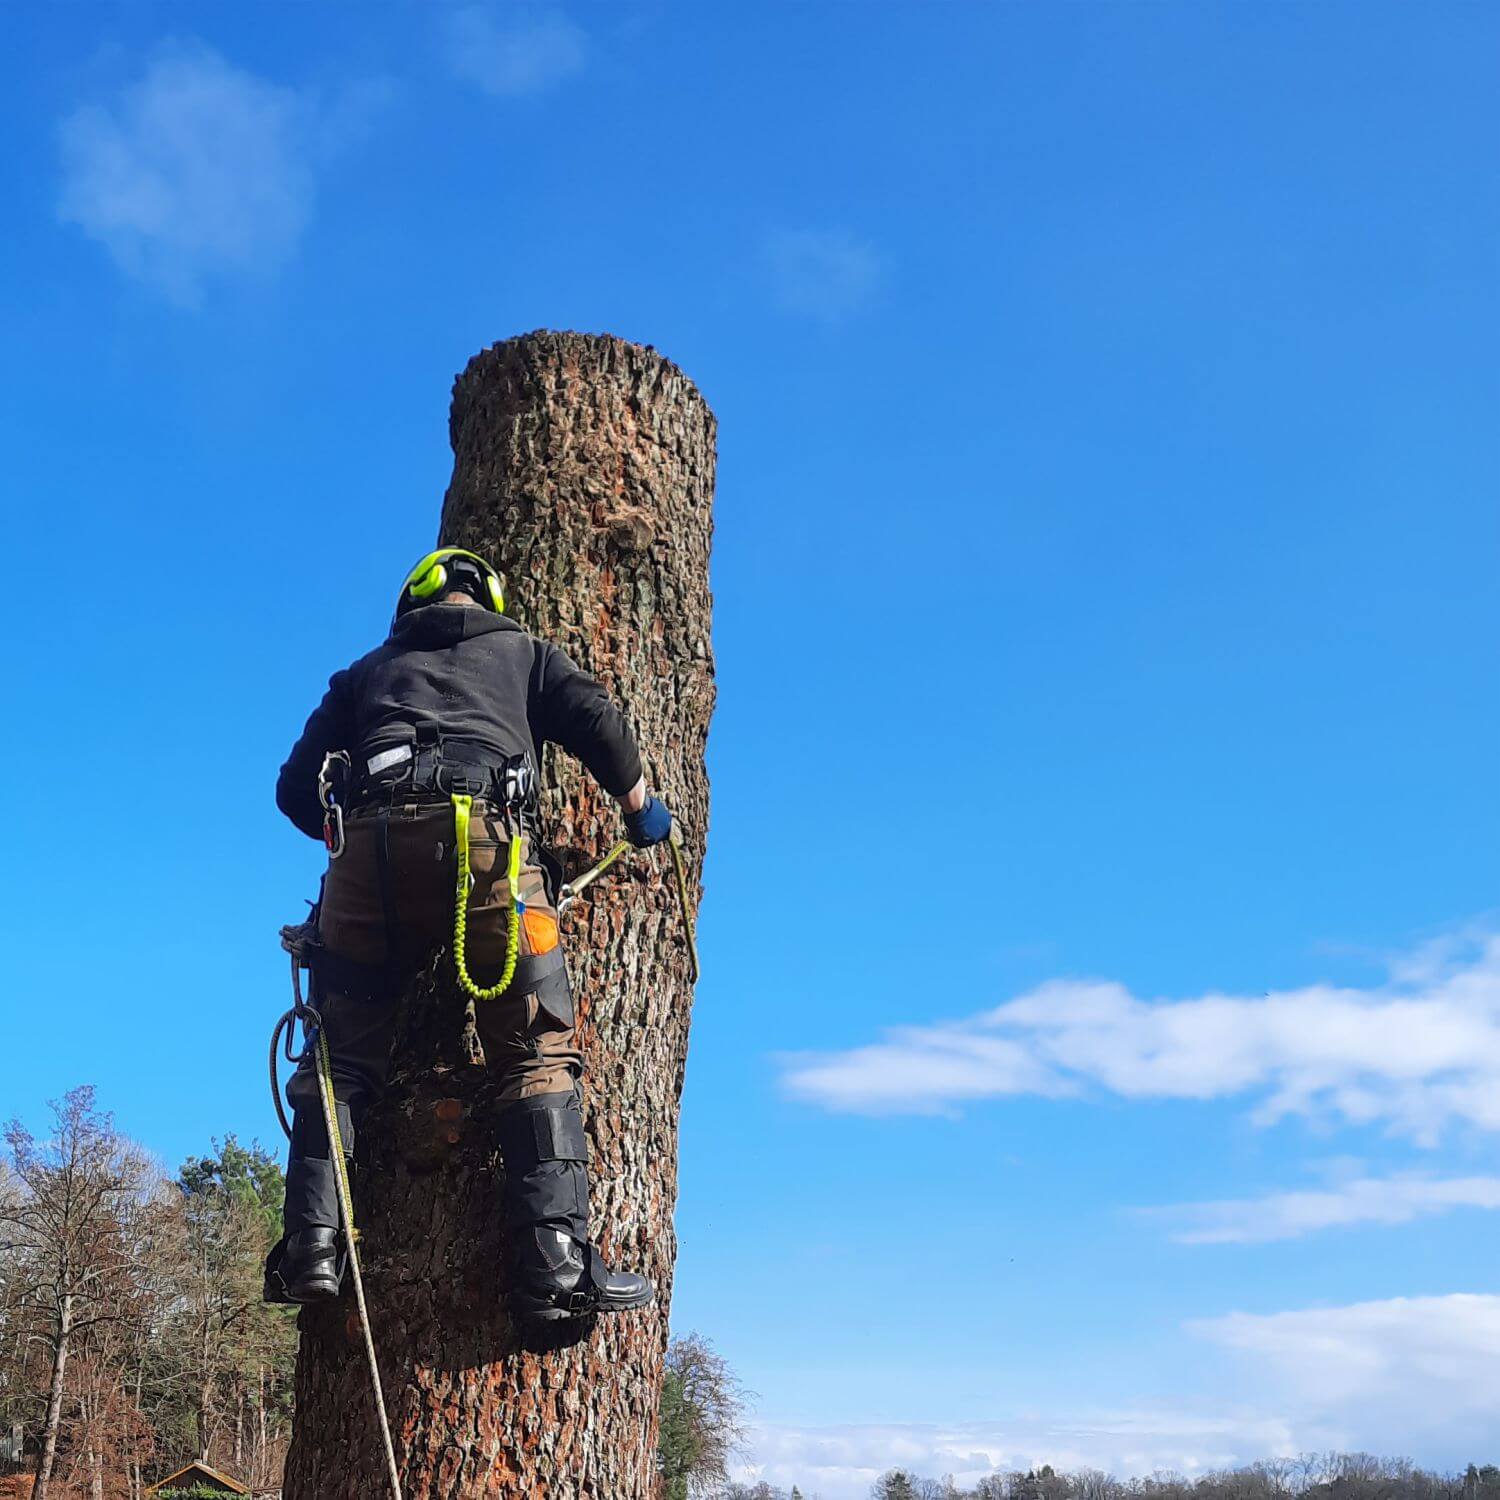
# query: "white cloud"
510 49
199 169
1416 1053
1407 1367
841 1463
824 274
1410 1376
1364 1200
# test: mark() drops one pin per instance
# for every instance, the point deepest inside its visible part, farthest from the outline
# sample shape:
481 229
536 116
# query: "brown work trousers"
389 900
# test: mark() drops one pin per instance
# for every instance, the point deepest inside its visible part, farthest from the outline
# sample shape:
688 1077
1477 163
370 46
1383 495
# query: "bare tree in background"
702 1419
106 1433
131 1330
67 1216
24 1368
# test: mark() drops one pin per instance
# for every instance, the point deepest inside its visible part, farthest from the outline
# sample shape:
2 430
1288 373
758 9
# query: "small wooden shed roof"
197 1473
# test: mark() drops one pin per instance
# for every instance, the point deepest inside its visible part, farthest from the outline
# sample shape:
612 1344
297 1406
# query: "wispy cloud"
1364 1200
1417 1053
1432 1362
823 274
199 169
509 49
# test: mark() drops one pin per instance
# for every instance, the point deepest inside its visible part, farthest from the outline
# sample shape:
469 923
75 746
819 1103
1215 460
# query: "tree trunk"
239 1426
584 470
262 1437
202 1423
205 1358
48 1455
135 1463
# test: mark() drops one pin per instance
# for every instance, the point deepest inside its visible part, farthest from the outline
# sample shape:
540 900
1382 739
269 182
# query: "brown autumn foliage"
132 1335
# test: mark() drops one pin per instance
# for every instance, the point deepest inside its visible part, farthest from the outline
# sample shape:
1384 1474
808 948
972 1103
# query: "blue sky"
1097 1054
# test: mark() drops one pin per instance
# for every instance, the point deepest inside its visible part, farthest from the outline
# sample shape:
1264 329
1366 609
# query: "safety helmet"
447 569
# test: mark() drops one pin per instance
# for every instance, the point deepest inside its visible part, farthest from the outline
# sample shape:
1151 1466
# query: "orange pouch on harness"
541 930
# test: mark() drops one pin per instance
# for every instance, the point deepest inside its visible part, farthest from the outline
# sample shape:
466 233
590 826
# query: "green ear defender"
430 577
428 582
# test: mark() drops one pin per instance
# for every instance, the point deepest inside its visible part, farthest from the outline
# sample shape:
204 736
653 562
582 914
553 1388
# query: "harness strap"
463 806
383 874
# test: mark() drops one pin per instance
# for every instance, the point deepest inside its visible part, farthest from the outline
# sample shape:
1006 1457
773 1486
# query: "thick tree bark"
584 468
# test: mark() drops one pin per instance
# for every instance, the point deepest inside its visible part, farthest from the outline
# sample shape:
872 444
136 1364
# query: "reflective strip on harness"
386 759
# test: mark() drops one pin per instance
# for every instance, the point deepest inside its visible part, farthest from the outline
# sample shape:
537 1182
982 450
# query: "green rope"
685 905
575 887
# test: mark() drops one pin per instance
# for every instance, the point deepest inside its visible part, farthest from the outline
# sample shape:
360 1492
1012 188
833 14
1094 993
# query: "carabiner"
328 799
333 830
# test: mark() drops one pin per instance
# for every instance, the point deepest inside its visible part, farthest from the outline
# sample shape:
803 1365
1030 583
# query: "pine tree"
237 1351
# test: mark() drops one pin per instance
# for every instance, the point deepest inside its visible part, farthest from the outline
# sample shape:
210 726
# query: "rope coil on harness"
286 1024
462 809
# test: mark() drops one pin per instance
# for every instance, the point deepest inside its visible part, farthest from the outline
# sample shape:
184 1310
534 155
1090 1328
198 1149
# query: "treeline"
133 1338
1322 1476
132 1334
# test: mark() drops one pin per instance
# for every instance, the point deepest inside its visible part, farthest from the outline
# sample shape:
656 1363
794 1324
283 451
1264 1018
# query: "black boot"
558 1273
310 1269
308 1264
559 1278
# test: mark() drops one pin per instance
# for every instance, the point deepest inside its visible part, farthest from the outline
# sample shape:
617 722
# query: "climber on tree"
421 761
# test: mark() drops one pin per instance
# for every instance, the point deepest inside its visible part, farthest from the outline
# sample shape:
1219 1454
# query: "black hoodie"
477 676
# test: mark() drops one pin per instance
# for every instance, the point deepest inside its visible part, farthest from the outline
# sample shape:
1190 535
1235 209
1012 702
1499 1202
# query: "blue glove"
649 824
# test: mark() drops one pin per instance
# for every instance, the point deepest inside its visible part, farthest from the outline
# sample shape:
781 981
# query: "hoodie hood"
436 625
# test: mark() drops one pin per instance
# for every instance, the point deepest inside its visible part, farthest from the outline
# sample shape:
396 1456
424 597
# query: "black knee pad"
546 1164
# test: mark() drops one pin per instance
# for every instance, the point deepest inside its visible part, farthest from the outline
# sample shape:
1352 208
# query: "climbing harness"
282 1033
317 1042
